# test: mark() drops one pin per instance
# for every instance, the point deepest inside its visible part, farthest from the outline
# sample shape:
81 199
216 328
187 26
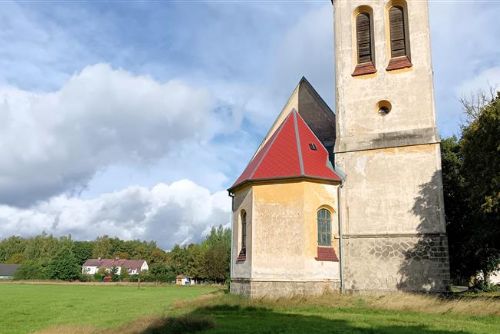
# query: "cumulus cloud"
54 142
465 43
483 82
180 212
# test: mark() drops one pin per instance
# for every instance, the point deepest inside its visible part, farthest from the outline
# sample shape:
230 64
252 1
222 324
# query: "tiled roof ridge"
297 139
321 146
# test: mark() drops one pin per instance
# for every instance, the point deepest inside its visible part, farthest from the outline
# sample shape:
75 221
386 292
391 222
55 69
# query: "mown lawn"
243 320
25 308
151 310
353 314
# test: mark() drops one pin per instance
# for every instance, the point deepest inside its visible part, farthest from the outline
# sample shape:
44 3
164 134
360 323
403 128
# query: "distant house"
495 277
184 280
134 267
7 271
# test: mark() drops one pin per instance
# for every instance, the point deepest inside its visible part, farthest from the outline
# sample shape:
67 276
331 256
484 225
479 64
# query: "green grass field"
25 308
162 310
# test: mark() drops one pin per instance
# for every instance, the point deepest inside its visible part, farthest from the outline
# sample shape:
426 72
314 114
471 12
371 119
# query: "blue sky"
131 117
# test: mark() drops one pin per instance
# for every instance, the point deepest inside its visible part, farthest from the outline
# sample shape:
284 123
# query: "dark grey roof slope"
8 269
317 114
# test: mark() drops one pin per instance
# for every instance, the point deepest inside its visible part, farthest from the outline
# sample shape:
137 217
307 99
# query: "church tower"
391 201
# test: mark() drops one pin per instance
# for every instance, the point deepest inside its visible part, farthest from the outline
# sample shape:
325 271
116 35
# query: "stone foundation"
277 289
397 262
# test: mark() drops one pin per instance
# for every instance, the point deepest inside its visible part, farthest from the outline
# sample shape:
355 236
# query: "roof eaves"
285 178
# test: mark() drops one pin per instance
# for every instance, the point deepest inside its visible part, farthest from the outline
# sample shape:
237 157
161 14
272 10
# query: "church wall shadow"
237 319
426 264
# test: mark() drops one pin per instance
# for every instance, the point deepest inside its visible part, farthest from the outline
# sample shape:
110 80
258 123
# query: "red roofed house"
134 267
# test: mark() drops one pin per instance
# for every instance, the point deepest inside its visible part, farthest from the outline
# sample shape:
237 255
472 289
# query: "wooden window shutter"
398 34
364 38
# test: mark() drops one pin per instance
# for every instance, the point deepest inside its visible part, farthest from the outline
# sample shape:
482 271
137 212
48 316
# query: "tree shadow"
237 319
426 262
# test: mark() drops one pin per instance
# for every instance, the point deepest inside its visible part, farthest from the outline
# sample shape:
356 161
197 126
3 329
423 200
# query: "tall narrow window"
243 250
324 228
243 232
325 251
398 34
364 38
400 50
364 44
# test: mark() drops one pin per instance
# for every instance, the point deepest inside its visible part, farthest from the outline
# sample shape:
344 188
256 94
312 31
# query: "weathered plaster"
410 91
283 246
391 200
242 201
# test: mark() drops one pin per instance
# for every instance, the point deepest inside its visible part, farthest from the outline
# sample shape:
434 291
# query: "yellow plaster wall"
284 227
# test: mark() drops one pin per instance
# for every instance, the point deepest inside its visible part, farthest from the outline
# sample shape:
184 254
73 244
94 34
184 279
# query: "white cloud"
465 39
53 142
307 50
180 212
483 82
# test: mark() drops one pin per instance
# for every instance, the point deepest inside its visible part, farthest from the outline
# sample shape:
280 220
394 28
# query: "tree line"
47 257
471 183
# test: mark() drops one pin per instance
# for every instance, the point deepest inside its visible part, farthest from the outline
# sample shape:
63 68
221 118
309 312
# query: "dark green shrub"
31 270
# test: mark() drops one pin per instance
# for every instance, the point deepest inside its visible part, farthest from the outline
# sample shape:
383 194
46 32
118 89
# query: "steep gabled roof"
315 112
8 269
293 151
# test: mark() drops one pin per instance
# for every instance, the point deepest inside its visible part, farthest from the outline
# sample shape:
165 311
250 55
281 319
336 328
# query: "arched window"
243 250
398 33
364 42
243 232
324 228
364 38
400 43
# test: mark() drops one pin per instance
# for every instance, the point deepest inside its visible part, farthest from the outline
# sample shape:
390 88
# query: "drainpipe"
341 242
231 257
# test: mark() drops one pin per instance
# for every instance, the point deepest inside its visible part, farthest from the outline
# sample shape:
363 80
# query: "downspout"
341 241
232 234
343 178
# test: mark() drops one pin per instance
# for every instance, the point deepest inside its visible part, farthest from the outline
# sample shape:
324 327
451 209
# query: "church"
351 200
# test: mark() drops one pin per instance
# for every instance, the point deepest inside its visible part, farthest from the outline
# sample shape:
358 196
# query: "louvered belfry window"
398 32
364 38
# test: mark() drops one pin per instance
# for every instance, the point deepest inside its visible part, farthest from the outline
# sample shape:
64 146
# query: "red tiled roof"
109 263
290 153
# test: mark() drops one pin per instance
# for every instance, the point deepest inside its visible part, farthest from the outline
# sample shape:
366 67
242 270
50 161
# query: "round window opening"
384 107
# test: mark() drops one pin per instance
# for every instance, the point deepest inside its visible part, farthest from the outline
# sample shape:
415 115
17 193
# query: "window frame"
398 61
324 227
243 231
365 67
243 237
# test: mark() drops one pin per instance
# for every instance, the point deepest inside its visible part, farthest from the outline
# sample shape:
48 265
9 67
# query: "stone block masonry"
414 262
277 289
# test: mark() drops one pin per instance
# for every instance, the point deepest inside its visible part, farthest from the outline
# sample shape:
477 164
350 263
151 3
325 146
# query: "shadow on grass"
237 319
